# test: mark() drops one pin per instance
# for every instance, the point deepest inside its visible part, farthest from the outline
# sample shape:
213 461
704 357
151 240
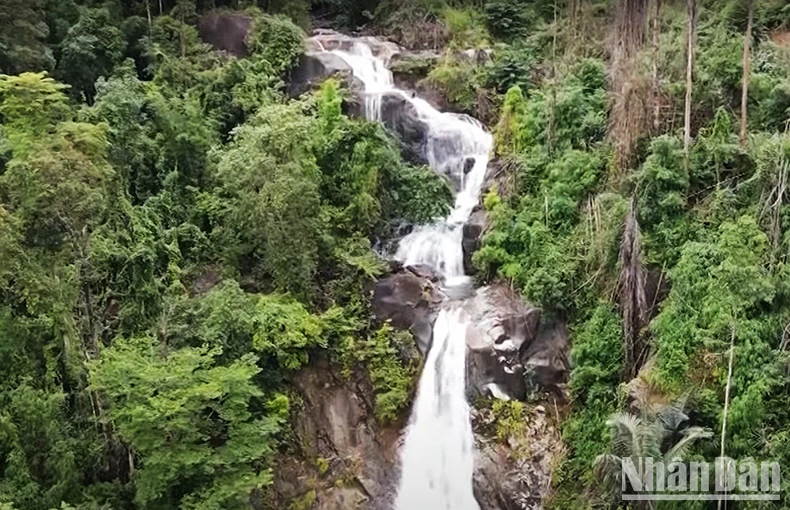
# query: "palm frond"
690 436
625 433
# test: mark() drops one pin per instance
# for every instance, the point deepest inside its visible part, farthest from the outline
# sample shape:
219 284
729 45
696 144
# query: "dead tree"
747 40
633 298
628 90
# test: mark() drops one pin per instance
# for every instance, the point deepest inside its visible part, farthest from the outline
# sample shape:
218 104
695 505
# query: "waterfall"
437 457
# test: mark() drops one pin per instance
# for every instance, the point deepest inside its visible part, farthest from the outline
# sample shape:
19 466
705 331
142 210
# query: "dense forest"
179 235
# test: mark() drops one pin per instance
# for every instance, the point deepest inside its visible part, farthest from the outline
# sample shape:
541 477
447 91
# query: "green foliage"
458 76
572 115
509 20
598 362
712 229
190 422
597 357
154 240
277 41
269 185
32 104
715 286
653 435
465 27
534 236
91 49
513 66
284 328
510 418
389 357
41 449
22 41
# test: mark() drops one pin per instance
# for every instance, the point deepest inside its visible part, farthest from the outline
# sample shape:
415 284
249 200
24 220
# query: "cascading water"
437 457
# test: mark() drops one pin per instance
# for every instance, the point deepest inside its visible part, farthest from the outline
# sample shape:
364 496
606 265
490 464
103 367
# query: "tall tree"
690 31
23 33
91 49
628 110
747 41
195 426
656 82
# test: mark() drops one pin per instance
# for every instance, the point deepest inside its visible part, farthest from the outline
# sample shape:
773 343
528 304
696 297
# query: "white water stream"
437 457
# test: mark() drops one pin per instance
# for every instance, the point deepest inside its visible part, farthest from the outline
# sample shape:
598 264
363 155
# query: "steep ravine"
479 342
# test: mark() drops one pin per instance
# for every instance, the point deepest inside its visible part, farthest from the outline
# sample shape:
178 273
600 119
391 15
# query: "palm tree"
661 436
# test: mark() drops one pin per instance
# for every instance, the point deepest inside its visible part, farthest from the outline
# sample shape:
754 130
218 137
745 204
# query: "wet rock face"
409 299
225 31
474 229
313 68
511 351
328 40
409 72
545 360
478 224
400 116
501 325
316 66
515 473
347 461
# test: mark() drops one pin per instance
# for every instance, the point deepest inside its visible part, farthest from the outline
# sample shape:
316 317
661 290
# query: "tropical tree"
662 436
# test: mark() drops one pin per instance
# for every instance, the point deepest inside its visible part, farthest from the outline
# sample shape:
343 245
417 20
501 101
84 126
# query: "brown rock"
409 299
501 325
225 31
346 460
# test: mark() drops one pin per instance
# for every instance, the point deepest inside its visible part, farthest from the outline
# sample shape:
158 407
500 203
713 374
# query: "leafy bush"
465 27
513 66
510 19
715 285
277 41
390 358
458 77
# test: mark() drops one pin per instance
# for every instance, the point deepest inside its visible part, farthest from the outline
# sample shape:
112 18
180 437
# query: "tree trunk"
631 290
656 83
692 21
550 133
630 93
747 41
148 13
727 396
573 23
160 7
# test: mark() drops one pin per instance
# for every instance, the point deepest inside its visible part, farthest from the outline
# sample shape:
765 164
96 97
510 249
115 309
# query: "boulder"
329 40
313 68
512 351
225 31
411 66
409 299
545 360
409 72
501 326
316 66
474 229
400 115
